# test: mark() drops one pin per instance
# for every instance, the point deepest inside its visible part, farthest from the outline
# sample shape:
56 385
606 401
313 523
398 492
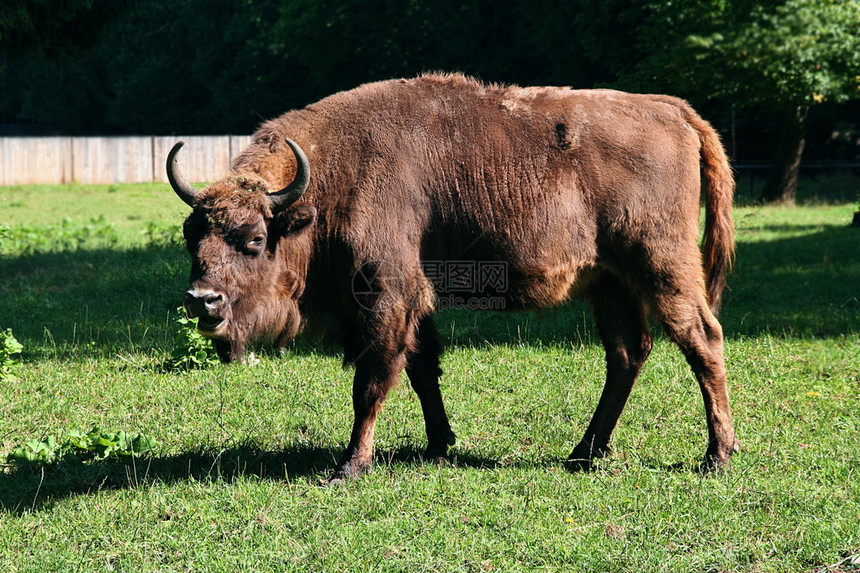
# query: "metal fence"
52 160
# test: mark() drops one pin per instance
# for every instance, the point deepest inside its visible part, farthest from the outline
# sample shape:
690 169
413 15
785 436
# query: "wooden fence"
113 159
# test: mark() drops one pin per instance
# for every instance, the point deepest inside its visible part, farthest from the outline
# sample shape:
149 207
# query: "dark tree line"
215 66
53 28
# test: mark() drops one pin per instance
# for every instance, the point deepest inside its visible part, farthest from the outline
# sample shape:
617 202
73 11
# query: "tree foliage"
51 28
781 53
210 66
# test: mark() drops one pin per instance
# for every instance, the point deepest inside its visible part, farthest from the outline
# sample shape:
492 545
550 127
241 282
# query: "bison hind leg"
622 324
689 322
423 370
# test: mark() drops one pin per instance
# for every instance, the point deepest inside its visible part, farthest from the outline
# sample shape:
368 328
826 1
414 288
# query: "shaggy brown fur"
589 192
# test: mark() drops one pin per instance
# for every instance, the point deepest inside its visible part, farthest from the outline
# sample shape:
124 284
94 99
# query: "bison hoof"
583 456
719 460
711 465
436 454
438 449
715 463
580 464
334 480
346 471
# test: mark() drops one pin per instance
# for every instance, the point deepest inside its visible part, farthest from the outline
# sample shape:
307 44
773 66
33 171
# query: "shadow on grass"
35 487
801 286
100 299
32 487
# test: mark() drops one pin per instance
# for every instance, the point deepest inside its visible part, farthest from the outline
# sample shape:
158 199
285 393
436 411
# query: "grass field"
90 279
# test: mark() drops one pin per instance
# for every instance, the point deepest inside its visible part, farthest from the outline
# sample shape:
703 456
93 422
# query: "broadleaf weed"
190 348
9 347
77 446
26 240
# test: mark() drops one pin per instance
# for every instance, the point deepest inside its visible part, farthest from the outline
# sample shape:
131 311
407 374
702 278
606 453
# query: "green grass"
234 485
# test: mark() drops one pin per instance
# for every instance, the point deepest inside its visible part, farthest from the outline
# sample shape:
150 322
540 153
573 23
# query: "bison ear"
296 218
290 280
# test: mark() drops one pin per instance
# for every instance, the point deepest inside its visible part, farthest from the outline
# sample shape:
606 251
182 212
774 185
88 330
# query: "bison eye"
256 244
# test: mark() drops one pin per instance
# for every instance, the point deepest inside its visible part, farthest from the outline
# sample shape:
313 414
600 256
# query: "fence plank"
90 160
111 159
204 158
35 160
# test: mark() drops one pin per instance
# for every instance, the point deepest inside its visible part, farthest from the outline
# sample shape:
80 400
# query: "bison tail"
718 246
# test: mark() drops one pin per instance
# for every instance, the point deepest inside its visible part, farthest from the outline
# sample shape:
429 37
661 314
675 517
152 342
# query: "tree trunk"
782 183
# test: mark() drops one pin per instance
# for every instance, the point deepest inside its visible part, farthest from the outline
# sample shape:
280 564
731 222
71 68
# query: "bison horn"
292 192
183 188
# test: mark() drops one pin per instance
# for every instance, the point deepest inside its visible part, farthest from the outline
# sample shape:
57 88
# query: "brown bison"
340 216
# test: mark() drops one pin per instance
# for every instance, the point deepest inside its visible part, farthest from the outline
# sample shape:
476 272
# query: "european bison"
555 191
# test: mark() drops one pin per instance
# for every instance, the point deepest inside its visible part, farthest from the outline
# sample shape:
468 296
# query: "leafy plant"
190 349
77 446
163 235
68 236
5 233
9 347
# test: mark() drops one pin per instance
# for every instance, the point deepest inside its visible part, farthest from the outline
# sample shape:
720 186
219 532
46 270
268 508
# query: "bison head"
250 251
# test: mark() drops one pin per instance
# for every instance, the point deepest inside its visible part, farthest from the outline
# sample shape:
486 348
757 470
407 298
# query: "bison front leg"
423 371
379 345
375 373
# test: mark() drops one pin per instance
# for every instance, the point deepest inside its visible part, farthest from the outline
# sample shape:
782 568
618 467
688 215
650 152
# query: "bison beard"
574 192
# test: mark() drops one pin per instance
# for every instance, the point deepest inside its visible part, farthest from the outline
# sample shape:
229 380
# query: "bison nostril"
213 301
203 303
